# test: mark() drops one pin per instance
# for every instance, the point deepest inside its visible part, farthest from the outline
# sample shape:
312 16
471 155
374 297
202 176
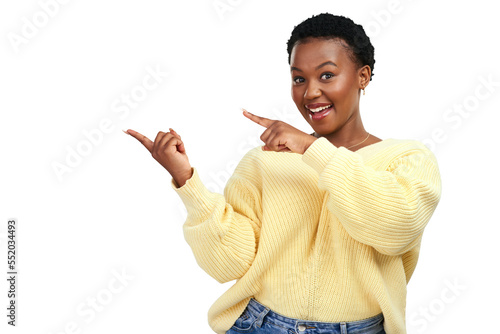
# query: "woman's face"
324 75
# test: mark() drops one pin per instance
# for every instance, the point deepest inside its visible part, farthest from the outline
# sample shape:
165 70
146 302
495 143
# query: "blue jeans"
257 318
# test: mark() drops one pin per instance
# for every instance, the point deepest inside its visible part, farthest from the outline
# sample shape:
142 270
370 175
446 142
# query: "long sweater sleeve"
387 210
222 231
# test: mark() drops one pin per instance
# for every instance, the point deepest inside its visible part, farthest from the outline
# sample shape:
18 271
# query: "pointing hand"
168 149
280 136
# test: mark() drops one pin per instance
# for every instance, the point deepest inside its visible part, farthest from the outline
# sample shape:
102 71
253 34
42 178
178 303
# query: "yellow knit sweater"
328 235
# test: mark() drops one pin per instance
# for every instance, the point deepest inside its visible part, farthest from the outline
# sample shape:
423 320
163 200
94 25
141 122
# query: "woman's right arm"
222 231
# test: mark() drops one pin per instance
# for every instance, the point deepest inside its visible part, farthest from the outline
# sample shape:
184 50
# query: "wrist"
312 139
182 178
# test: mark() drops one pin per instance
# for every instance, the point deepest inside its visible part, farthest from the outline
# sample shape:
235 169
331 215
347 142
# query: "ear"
364 74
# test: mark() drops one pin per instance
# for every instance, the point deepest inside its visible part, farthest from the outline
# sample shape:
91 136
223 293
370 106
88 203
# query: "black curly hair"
329 26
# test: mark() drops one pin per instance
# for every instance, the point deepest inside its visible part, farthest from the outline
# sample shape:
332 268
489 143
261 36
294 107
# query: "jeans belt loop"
343 328
261 316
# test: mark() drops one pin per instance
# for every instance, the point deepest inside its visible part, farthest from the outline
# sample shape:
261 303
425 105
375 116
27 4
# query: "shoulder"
249 167
252 156
410 152
408 146
395 151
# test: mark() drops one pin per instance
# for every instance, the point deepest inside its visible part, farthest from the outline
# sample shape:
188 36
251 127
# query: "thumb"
180 146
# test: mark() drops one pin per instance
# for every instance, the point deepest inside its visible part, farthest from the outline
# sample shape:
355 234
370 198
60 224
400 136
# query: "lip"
321 115
316 105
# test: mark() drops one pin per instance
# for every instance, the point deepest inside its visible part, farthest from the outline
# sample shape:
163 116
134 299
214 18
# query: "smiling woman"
329 68
321 232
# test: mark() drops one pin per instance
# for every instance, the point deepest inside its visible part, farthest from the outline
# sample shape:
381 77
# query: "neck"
351 133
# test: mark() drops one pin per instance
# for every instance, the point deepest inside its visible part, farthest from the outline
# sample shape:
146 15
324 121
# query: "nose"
312 91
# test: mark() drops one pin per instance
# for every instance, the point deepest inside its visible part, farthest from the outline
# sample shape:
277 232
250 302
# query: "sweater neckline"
367 147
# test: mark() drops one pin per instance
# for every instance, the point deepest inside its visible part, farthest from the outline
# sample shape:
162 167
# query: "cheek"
296 95
343 91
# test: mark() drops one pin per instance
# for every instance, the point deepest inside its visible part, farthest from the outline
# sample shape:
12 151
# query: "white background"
115 210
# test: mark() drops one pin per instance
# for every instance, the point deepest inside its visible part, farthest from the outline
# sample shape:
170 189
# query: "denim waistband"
261 312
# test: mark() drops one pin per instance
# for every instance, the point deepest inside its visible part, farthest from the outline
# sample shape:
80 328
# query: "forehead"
314 51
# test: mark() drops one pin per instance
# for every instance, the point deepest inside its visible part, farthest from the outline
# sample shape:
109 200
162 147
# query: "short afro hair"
329 26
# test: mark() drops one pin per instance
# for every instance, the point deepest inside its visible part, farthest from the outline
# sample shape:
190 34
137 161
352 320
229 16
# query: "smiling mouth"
319 113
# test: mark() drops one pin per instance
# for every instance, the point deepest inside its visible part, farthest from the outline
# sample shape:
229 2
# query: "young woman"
320 231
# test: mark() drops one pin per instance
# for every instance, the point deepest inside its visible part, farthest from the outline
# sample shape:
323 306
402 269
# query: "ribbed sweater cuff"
199 201
319 153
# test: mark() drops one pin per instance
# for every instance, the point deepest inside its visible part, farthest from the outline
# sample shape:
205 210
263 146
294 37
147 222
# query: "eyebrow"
317 68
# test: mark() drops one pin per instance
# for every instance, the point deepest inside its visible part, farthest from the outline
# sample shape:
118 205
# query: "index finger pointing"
265 122
143 139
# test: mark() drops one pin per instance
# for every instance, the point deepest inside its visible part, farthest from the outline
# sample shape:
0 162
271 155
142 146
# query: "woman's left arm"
388 209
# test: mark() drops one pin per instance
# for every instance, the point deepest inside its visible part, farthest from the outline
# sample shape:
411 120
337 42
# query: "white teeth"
320 108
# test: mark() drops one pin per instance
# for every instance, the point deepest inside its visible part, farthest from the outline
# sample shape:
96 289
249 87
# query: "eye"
331 75
295 79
